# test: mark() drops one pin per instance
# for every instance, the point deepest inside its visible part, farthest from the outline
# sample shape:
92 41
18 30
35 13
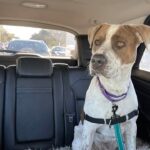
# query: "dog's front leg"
130 134
89 130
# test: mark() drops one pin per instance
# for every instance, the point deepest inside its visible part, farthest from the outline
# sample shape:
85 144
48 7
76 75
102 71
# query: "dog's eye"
120 44
97 42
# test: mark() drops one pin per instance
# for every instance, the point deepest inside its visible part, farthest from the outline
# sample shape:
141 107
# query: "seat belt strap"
69 108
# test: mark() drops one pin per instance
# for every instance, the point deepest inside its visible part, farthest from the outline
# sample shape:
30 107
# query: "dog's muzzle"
98 60
98 63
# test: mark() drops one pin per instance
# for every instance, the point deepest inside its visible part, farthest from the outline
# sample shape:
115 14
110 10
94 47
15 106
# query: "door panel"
141 81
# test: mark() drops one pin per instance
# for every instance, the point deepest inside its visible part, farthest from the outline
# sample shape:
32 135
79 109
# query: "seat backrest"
33 107
34 103
75 84
79 83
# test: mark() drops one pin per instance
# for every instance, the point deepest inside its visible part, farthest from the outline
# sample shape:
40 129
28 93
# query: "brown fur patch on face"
100 37
124 43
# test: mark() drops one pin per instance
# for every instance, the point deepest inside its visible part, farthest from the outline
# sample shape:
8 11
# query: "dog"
114 50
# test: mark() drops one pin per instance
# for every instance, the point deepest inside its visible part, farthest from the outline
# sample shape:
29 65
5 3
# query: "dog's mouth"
103 70
107 70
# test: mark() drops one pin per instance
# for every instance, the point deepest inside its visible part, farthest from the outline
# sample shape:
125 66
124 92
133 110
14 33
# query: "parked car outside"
59 51
29 46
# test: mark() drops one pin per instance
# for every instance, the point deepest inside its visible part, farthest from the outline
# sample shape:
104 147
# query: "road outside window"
38 41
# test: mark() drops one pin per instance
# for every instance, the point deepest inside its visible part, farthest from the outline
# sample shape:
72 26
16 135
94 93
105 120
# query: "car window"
44 42
145 61
29 46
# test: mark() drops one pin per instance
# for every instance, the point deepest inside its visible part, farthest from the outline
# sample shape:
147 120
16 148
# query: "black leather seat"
75 83
79 83
75 90
33 106
79 80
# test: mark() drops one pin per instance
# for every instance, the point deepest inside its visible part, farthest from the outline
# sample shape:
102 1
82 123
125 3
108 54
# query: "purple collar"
111 97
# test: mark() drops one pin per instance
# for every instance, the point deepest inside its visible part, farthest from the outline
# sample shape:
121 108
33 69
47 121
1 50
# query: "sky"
21 32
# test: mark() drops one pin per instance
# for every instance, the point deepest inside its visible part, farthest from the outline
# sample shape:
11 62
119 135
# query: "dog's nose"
98 59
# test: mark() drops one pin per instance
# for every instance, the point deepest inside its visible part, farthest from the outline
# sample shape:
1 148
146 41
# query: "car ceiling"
74 15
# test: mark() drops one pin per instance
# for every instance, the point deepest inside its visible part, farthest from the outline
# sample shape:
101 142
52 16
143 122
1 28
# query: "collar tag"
114 116
114 109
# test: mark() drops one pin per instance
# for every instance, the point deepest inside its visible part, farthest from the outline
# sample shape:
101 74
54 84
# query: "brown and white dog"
114 50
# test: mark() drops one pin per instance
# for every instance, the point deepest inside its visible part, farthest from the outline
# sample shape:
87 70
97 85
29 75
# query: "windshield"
40 41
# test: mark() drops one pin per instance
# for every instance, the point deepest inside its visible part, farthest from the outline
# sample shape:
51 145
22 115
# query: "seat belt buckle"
70 118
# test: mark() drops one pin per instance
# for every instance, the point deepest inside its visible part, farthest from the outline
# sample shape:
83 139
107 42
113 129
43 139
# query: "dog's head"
114 47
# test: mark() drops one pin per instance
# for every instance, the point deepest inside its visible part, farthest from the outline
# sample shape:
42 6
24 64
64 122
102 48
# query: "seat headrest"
39 67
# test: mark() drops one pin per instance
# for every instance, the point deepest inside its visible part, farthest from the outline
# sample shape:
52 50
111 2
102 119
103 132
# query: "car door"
141 81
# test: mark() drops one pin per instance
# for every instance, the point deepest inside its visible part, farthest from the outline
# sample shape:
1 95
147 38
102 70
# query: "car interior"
41 99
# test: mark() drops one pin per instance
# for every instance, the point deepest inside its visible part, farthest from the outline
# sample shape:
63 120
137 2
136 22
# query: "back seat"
33 116
75 83
78 82
34 111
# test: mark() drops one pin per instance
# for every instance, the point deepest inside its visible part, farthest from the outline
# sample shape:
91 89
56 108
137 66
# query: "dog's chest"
98 106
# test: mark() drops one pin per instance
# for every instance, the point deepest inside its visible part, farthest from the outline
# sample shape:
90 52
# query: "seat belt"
69 108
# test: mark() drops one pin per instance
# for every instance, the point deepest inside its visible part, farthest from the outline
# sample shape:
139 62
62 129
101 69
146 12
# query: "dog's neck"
119 84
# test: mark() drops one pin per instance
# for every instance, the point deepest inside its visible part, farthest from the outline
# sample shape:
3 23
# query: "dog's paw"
77 142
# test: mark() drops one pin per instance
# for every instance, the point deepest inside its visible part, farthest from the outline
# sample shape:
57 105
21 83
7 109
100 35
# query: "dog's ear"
92 32
143 33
